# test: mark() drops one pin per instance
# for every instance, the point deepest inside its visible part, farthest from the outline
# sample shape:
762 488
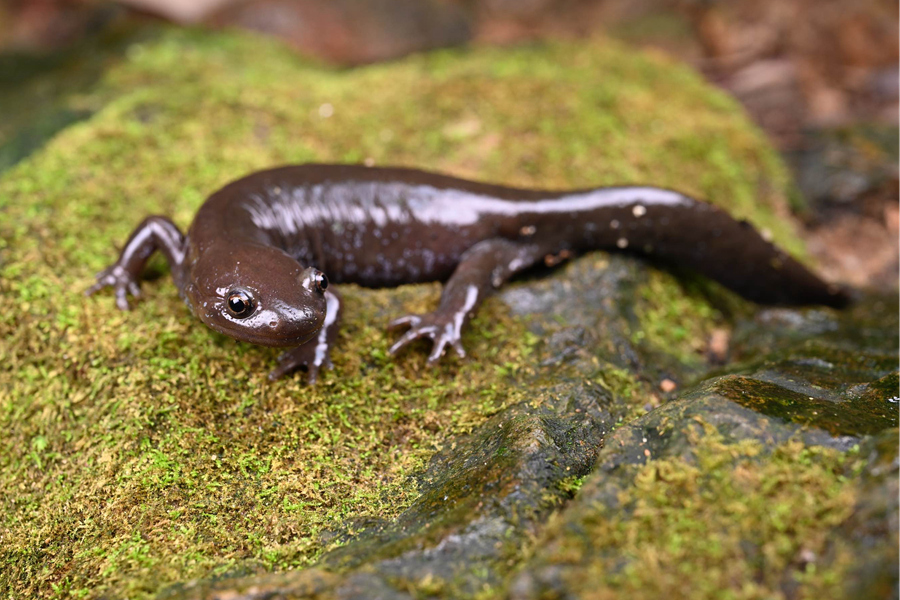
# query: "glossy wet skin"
257 260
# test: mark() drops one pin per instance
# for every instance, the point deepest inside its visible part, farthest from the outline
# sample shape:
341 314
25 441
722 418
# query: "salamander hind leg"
123 276
483 268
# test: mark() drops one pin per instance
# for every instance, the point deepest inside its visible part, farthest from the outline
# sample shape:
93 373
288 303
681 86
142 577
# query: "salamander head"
257 294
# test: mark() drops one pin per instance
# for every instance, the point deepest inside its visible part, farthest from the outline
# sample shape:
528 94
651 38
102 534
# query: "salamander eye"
320 280
240 304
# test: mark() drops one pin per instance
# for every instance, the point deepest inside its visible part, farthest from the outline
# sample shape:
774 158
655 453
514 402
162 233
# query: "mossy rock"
777 480
143 450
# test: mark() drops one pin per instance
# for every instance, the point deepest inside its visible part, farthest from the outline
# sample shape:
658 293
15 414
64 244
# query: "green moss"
674 320
676 315
179 465
735 521
143 449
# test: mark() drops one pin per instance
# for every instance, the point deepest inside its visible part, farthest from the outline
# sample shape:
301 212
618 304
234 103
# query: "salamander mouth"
261 334
273 341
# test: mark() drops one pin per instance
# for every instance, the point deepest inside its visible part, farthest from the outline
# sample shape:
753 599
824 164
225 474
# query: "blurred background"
820 77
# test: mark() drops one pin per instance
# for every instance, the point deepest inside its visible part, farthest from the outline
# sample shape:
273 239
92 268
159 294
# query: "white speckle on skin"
614 223
528 230
639 210
326 110
622 243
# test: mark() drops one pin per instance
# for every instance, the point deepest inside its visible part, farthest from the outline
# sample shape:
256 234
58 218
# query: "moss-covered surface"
674 318
141 449
738 517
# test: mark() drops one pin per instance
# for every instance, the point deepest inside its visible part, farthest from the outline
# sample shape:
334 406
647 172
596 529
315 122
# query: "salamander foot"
310 355
122 282
444 331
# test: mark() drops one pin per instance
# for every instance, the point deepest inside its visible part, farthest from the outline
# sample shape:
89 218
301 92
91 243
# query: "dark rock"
871 530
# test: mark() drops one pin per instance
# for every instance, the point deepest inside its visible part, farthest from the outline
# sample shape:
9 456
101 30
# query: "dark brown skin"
254 262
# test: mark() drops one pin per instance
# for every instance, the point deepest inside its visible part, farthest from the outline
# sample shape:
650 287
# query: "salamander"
261 259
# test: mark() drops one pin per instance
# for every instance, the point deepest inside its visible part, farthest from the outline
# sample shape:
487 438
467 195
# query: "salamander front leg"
154 233
483 268
316 353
